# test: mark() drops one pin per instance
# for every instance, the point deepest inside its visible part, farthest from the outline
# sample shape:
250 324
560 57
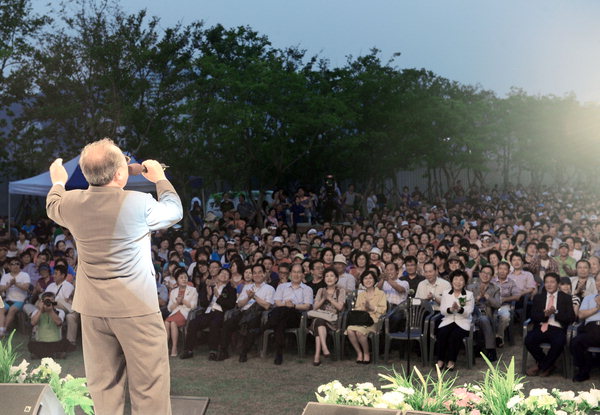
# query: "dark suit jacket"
565 314
226 300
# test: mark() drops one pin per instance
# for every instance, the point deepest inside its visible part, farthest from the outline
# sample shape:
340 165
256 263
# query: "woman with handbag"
329 302
362 320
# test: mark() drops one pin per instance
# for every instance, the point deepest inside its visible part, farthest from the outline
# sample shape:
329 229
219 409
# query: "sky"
542 46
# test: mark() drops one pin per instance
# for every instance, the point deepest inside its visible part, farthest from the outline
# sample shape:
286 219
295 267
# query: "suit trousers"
212 320
582 359
555 336
248 331
127 350
280 319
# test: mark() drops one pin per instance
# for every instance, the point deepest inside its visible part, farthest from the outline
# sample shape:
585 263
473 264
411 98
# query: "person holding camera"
47 320
63 294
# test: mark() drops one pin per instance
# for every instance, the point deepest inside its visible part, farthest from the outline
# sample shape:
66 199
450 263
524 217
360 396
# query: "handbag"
359 318
324 315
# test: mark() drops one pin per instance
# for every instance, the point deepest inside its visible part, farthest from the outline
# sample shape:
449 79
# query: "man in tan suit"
124 338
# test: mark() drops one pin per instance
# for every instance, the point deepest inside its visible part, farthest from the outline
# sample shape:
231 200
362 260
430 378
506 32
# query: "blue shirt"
588 303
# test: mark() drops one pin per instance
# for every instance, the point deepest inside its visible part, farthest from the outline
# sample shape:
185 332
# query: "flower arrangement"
71 392
500 393
362 394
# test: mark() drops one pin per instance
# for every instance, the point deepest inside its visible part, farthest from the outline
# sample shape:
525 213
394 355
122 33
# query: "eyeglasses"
15 263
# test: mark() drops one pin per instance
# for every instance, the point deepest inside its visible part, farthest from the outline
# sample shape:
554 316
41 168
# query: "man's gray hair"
99 161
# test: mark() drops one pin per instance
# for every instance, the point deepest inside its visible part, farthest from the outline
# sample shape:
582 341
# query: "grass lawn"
260 387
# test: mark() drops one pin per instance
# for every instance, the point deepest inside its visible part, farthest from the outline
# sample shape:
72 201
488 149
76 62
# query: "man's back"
112 228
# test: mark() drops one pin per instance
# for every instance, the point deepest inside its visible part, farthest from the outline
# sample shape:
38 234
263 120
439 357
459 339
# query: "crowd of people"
474 256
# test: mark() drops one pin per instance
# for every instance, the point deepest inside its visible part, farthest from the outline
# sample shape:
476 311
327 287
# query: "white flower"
365 386
595 393
518 387
392 399
590 399
566 395
538 392
405 391
514 401
20 371
560 413
51 364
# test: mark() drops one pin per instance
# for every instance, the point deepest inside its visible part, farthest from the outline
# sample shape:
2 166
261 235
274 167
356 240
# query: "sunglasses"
15 263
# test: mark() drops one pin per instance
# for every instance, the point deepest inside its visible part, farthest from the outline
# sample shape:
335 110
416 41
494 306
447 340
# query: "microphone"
135 169
411 293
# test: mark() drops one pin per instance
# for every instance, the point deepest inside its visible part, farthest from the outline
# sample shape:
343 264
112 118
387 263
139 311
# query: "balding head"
100 162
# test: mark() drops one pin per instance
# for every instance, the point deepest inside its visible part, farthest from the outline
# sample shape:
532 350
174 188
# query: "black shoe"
581 377
491 355
186 354
212 356
499 342
243 358
278 359
222 355
71 347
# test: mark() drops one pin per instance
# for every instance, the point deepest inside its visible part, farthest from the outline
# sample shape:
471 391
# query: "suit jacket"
115 276
565 314
462 319
226 300
493 291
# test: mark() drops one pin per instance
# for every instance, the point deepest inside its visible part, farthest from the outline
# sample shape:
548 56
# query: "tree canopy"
226 105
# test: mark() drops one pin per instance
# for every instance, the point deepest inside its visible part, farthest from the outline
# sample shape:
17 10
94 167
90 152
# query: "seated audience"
587 336
215 297
47 321
456 307
291 299
254 299
14 285
331 299
372 300
551 314
487 300
182 299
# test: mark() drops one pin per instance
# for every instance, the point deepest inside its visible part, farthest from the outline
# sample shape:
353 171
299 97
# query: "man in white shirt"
15 284
396 292
291 299
345 280
253 300
432 288
63 294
